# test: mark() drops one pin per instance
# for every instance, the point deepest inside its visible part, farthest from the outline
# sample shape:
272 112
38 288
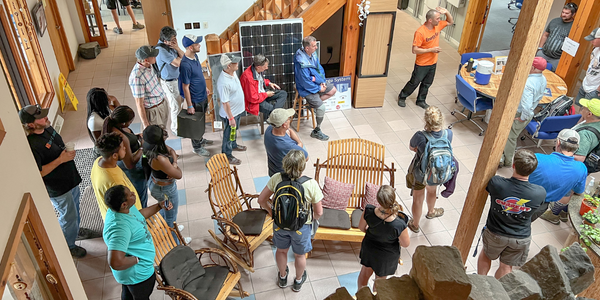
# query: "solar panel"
278 41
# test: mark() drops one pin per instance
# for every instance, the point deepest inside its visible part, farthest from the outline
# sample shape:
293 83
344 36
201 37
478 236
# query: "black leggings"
139 291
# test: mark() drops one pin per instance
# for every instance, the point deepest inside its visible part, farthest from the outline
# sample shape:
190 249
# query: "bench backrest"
356 161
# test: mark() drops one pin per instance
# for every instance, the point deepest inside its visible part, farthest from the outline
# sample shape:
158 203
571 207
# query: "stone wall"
438 274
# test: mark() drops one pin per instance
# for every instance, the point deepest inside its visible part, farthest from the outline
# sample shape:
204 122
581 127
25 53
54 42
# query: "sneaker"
138 26
412 227
298 285
318 134
206 142
240 148
422 104
85 234
187 240
118 30
564 216
401 101
180 227
234 161
550 217
282 282
201 152
78 252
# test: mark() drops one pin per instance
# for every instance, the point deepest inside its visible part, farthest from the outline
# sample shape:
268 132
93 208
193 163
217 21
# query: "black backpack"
592 159
290 207
558 107
155 65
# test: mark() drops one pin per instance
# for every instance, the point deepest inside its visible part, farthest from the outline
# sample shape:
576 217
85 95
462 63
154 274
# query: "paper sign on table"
570 46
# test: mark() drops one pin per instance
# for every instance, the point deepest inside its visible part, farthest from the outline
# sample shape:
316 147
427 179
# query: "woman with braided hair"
385 233
119 121
99 107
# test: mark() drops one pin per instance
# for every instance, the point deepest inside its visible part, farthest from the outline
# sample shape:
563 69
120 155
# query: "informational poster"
343 97
65 92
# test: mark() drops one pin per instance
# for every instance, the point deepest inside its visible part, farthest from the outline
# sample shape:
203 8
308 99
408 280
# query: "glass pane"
25 279
90 18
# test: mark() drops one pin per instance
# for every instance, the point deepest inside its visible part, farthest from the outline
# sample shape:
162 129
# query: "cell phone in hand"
166 201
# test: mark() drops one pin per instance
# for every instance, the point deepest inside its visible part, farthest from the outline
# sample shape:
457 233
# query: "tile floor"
333 264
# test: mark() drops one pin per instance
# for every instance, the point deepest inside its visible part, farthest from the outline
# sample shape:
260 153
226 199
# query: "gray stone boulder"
520 286
578 267
486 288
439 273
389 289
547 269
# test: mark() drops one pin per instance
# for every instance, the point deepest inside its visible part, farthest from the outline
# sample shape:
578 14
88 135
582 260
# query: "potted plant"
590 235
588 203
591 218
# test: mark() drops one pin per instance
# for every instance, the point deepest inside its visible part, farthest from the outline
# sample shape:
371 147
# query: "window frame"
34 75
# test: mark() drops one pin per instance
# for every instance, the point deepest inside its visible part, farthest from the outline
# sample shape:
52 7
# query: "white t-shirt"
591 82
230 90
95 122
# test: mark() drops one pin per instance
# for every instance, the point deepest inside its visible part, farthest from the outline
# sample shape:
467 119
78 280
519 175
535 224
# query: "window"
21 56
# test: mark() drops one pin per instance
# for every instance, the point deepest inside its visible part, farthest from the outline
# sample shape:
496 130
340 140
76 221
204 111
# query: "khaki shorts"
512 251
314 100
158 115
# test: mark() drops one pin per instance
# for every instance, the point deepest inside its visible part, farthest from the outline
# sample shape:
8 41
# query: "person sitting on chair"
256 93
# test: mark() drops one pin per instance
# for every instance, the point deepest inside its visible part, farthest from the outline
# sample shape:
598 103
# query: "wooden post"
350 39
525 40
213 44
475 15
585 21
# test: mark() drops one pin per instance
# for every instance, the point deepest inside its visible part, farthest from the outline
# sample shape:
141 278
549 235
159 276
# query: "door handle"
164 13
57 27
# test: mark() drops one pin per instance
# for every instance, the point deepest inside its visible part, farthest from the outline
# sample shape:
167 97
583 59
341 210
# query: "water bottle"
232 134
590 187
470 65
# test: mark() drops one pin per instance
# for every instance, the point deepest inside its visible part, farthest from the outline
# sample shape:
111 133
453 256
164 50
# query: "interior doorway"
60 44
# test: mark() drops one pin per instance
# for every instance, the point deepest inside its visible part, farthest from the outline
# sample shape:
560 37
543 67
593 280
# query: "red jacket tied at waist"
251 95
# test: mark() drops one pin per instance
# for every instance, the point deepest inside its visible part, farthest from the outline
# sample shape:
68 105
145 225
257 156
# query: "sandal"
412 227
437 212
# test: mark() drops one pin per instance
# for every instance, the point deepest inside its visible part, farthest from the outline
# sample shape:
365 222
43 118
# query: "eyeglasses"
38 110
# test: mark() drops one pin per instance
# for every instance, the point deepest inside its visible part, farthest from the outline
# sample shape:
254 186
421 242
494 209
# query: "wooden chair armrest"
248 199
221 254
177 293
224 222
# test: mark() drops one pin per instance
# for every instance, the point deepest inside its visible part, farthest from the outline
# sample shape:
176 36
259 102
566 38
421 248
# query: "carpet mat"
91 223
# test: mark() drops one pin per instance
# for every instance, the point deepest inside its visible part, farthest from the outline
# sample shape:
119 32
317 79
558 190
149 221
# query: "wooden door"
58 38
159 11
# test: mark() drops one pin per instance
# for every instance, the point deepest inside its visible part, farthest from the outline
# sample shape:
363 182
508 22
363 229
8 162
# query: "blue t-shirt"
559 174
277 147
129 233
190 72
163 61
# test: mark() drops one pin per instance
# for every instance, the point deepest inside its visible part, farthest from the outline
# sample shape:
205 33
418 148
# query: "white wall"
219 15
71 25
330 34
20 175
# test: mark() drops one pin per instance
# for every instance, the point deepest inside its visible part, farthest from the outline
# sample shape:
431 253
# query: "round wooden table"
593 250
554 82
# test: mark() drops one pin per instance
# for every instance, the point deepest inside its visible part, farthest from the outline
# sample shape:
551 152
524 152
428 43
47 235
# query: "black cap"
30 113
153 136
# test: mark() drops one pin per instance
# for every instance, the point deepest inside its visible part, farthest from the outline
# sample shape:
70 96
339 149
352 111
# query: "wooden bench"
354 161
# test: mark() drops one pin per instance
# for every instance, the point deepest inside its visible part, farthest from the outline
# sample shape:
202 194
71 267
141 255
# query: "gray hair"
259 60
431 14
307 40
294 163
167 33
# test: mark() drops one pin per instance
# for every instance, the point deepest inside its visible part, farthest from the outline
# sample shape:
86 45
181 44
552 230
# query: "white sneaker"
180 227
187 239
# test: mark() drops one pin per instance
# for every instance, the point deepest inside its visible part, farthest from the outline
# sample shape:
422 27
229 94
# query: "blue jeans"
67 205
170 191
228 145
138 179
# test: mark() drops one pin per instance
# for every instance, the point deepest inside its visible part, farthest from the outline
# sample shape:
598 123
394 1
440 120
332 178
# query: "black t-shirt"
46 149
513 202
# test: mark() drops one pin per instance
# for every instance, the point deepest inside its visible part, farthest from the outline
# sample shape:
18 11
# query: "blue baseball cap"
190 39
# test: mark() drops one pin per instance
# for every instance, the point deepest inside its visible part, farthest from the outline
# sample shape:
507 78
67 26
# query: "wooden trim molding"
29 224
2 132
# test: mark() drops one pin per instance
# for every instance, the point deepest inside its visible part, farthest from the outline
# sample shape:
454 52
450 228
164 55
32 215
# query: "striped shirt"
144 84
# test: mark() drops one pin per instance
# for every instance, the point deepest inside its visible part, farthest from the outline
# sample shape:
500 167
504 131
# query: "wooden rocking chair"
226 198
164 242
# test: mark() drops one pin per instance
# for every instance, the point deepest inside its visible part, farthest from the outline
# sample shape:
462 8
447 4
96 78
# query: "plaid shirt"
144 84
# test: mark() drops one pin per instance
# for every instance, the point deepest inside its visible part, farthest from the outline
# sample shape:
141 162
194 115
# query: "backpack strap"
303 179
284 177
595 132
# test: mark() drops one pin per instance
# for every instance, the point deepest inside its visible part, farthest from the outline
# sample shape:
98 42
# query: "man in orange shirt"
426 46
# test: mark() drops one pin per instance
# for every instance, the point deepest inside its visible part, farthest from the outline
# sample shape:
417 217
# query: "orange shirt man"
426 46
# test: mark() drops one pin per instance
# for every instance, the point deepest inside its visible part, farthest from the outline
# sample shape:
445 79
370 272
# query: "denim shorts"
299 240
